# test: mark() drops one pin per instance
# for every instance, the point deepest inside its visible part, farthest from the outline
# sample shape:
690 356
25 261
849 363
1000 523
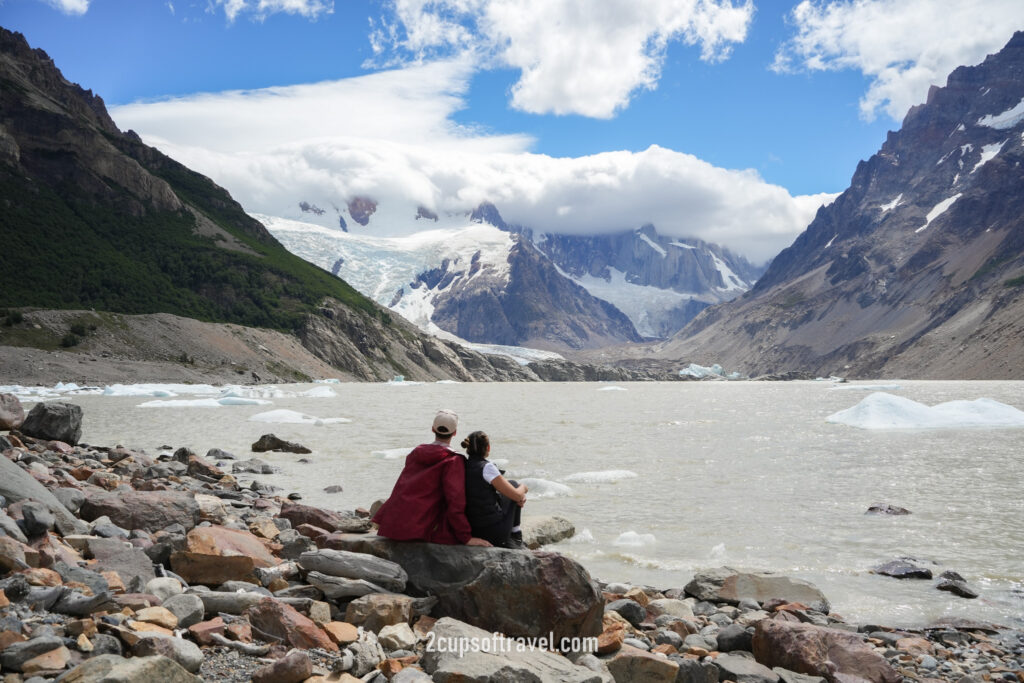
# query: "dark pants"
498 533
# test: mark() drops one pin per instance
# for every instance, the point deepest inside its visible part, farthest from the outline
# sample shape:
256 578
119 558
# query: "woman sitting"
493 503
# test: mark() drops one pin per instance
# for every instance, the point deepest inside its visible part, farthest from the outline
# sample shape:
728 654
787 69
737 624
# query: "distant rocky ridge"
917 270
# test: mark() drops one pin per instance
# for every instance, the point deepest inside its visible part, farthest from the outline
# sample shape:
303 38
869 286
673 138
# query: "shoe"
515 540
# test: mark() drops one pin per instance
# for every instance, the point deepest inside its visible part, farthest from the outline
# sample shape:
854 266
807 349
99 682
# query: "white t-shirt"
490 472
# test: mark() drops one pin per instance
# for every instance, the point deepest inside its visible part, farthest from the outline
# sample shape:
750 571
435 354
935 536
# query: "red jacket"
428 502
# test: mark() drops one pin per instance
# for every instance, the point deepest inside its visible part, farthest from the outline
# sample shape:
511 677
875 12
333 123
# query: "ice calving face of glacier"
885 411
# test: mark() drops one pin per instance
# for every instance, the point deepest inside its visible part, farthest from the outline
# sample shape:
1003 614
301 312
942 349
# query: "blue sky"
754 109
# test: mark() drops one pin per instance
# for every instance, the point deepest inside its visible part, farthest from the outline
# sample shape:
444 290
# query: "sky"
727 120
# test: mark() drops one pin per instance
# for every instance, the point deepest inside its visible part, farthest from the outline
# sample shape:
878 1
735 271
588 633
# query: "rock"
10 528
735 637
188 609
510 591
451 658
147 510
204 631
160 616
131 564
164 587
281 621
224 542
54 660
693 671
252 466
184 652
54 420
538 531
743 670
674 608
215 602
787 676
886 509
12 414
902 569
16 485
631 610
335 587
375 611
954 583
114 669
36 518
333 488
633 664
299 514
293 544
212 509
14 656
269 442
294 667
212 570
216 454
728 585
397 637
200 466
818 651
350 565
342 632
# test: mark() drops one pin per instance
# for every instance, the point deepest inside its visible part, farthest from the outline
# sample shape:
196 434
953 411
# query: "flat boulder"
279 620
330 520
520 594
538 531
54 421
117 669
349 565
147 510
224 542
269 442
902 569
456 651
729 585
836 655
886 509
16 484
12 415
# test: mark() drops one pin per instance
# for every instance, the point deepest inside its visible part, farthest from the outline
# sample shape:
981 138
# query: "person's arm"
516 494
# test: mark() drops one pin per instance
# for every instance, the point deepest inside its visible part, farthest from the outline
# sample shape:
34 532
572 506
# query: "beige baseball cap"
445 422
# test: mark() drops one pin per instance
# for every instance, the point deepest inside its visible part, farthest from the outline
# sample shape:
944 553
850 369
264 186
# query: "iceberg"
612 389
885 411
601 477
293 417
702 372
205 402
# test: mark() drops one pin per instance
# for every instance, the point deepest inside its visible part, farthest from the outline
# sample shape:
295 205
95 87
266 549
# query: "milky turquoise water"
745 474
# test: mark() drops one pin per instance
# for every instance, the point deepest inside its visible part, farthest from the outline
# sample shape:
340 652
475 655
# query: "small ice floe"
391 453
885 411
866 387
328 380
612 389
205 402
317 392
631 539
293 417
544 488
716 371
160 390
600 477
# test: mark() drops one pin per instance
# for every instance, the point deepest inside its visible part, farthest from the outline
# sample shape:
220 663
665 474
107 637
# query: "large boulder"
12 415
456 651
538 531
520 594
348 565
836 655
729 585
16 484
281 621
225 542
146 510
116 669
54 420
299 514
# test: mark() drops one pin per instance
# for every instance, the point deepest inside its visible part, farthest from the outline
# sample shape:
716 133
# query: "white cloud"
902 46
574 56
261 9
390 136
70 6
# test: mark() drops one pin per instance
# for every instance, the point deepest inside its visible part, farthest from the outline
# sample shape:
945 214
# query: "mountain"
917 269
94 219
469 279
661 283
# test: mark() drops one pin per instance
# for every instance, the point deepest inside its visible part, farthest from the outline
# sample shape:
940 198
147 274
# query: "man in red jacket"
428 502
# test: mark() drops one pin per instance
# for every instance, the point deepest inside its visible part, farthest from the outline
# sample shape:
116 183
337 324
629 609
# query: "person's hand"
523 489
479 542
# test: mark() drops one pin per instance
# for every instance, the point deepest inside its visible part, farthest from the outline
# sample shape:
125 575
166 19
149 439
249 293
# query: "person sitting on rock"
428 502
493 503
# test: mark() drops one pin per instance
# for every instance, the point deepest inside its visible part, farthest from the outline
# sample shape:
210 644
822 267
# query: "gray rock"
14 656
504 660
94 580
105 644
748 605
675 608
293 544
410 675
697 640
630 610
184 652
551 594
12 414
70 498
16 484
114 669
218 454
729 585
252 466
269 442
131 563
666 637
743 670
886 509
188 608
397 637
693 671
243 587
538 531
335 587
229 603
351 565
957 587
902 569
54 420
787 676
928 663
36 518
164 587
110 531
637 643
149 510
9 527
735 637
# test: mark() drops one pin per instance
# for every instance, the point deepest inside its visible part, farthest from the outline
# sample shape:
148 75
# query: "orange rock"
638 595
225 542
83 643
915 646
114 581
611 639
8 638
283 621
202 631
211 570
4 602
54 660
424 625
42 577
665 649
145 627
82 473
342 633
161 616
277 585
240 631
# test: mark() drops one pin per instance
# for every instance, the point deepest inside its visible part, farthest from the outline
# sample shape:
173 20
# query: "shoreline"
685 625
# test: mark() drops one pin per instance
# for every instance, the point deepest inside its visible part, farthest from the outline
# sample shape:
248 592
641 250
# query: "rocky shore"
117 565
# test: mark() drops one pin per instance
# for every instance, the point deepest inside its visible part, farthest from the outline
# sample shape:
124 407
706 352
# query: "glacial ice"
544 488
600 477
205 402
583 536
283 416
632 539
612 389
391 453
885 411
866 387
1008 119
702 372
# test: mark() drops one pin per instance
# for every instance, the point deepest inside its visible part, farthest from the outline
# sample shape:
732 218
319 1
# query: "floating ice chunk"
632 539
867 387
544 488
600 477
885 411
580 537
237 391
329 380
205 402
317 392
391 453
283 416
447 381
612 389
700 371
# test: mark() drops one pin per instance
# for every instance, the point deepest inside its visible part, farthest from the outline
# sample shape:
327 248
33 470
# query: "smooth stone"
189 609
631 610
184 652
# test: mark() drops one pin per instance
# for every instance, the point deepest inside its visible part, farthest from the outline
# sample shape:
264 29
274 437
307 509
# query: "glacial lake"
663 479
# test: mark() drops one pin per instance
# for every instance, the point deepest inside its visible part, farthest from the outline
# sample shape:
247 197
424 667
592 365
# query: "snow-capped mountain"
471 280
917 269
